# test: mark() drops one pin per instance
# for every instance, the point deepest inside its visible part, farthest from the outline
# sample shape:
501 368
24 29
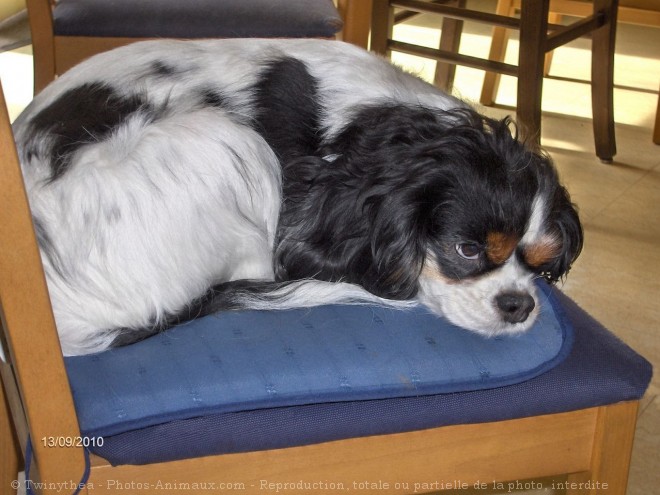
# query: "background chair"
356 15
640 12
577 418
65 32
656 128
13 25
537 37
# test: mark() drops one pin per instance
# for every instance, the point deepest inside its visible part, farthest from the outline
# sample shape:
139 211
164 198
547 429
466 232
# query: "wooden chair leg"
553 18
602 81
450 39
356 15
382 24
10 456
498 45
656 127
492 79
612 449
533 32
497 52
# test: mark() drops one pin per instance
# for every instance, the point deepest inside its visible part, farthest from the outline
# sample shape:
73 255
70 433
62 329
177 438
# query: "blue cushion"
237 361
599 370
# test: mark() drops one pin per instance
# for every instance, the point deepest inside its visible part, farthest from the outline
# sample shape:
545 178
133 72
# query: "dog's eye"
468 250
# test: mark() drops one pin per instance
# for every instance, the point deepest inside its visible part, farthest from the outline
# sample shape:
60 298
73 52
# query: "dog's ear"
402 219
336 225
564 225
392 161
397 251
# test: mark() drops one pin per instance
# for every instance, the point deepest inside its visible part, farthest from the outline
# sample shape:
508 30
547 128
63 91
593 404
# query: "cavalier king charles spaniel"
173 179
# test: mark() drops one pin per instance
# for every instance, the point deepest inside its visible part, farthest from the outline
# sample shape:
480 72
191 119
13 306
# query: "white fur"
470 303
152 251
536 223
308 293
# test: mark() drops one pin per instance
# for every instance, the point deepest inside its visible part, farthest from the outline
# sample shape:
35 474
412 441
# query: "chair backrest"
33 375
66 33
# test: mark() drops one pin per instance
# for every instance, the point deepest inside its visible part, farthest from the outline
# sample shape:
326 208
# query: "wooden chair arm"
29 325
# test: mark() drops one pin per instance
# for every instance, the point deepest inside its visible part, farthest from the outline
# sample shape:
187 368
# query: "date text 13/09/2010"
72 441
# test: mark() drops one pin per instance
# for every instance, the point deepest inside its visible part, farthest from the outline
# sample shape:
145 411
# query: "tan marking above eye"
431 270
500 246
541 252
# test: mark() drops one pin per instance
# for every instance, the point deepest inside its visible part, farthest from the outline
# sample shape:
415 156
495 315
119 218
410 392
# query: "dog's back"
153 169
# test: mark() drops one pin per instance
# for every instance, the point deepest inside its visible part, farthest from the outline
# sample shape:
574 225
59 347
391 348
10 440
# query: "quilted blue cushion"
238 361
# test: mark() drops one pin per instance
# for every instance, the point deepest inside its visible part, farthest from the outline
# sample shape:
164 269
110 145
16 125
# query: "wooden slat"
497 53
446 56
450 41
574 31
382 23
612 449
457 13
656 126
356 15
404 15
28 320
631 15
41 28
516 449
10 456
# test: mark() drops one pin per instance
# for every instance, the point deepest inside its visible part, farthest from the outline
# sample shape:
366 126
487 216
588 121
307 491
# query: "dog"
172 179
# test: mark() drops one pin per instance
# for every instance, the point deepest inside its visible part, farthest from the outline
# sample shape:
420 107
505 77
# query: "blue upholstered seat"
238 382
196 18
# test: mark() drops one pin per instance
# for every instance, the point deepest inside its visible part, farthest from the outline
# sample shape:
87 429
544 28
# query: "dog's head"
476 216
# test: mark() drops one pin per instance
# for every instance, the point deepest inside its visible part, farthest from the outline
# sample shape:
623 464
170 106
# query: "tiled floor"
617 278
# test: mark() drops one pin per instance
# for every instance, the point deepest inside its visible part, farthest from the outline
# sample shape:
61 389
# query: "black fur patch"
161 69
407 181
213 98
288 109
83 115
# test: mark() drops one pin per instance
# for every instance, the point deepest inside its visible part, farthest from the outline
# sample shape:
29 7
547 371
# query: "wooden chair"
356 15
537 37
656 127
639 12
66 32
591 445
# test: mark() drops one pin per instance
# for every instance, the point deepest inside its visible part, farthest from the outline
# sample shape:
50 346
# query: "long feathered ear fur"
379 243
566 226
563 219
381 191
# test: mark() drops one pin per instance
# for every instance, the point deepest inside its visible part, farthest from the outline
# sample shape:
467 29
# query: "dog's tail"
268 295
264 295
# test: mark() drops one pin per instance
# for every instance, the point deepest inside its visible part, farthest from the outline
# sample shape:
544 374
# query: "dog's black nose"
515 306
